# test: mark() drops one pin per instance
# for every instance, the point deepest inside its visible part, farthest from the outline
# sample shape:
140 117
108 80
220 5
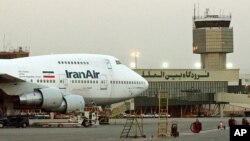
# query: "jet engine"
52 99
47 98
71 103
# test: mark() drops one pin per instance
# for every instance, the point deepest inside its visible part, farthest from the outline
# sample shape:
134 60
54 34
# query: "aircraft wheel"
86 123
24 125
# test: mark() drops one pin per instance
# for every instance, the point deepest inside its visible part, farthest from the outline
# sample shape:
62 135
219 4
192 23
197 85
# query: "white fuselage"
98 78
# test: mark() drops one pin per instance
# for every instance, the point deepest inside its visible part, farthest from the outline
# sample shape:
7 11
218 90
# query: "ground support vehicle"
14 121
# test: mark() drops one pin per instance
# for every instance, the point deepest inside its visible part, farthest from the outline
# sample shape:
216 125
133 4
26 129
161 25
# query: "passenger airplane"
64 83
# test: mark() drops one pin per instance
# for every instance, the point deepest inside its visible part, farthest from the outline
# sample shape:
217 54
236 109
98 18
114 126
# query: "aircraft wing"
9 78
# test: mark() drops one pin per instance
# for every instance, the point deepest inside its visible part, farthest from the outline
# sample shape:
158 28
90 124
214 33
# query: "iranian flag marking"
48 74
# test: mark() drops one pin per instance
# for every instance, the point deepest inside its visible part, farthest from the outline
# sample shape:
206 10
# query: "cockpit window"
118 62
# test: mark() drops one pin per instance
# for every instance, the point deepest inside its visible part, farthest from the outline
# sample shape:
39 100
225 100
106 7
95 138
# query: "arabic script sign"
186 74
189 75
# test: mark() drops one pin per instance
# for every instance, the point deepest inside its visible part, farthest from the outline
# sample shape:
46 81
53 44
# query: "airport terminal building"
190 90
187 90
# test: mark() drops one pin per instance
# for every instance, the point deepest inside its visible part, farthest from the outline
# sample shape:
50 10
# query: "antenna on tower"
194 15
194 10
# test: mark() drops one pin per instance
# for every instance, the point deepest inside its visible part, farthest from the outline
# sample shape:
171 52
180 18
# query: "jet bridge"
234 99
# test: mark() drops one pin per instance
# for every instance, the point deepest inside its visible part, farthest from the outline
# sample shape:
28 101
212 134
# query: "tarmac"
112 131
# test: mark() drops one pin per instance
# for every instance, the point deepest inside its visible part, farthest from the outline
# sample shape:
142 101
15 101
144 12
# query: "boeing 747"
65 83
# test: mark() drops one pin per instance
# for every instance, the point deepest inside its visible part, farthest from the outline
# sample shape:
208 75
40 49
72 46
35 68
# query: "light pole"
132 65
136 56
229 65
165 65
197 65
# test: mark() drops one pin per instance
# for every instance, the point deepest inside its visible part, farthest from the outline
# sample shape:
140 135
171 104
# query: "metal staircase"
162 123
132 124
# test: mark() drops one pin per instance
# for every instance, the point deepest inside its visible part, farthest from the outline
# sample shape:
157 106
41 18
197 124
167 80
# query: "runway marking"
202 132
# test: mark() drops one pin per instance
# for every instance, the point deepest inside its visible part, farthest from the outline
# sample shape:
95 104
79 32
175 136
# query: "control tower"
213 39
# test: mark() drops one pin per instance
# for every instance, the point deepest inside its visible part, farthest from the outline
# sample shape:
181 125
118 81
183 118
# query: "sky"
160 30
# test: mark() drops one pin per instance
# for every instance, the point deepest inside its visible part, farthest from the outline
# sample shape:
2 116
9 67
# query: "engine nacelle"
71 104
51 99
47 98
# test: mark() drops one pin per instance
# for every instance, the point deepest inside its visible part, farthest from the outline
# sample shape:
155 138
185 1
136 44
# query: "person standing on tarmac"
221 126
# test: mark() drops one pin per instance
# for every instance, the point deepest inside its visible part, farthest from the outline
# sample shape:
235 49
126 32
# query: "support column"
221 111
209 109
181 112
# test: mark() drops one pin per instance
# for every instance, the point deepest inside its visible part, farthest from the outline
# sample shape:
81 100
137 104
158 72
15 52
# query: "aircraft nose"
146 84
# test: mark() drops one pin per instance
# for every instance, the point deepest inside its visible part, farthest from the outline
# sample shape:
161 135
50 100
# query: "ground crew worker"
221 126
